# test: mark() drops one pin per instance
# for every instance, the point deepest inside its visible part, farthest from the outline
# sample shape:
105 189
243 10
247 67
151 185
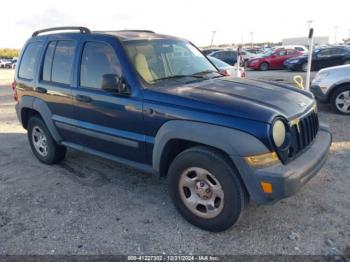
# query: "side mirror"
114 83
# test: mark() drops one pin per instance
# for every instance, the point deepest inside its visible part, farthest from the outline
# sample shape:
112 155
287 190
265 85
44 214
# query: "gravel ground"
88 205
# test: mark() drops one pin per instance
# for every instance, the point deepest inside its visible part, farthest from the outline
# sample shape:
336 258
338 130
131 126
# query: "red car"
272 59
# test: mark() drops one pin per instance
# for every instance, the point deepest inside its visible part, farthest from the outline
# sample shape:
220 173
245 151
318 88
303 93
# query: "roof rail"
126 30
80 28
140 31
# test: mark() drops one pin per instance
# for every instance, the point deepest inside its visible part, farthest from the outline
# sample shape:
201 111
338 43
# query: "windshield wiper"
175 77
205 72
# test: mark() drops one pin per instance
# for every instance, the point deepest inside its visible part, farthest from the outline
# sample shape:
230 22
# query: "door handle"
82 98
40 90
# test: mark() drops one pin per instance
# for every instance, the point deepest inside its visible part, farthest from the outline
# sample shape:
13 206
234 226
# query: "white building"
318 40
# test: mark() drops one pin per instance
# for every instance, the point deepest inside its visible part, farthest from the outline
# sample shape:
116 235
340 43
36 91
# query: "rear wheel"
206 189
340 100
43 145
264 66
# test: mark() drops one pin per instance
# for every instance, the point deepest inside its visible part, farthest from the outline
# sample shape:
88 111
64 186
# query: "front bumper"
320 96
286 179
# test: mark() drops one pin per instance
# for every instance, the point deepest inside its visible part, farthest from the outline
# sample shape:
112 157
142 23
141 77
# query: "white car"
227 69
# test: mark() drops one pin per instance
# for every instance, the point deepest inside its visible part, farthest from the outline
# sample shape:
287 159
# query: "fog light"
266 187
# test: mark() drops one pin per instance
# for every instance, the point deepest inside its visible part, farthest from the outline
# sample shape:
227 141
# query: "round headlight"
279 133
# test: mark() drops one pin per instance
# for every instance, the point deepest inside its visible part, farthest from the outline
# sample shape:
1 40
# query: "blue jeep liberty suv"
156 103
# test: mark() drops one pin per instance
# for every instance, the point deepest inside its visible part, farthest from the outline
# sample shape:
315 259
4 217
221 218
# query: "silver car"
332 86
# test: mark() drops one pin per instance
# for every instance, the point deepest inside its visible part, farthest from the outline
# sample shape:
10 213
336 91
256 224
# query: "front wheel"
340 100
264 66
205 189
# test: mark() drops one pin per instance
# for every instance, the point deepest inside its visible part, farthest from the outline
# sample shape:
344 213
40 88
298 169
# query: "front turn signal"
263 160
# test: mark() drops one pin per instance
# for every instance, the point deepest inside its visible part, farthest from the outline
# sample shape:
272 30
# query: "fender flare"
231 141
42 108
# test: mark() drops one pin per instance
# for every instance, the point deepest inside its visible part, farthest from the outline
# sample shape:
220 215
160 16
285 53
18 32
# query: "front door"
105 120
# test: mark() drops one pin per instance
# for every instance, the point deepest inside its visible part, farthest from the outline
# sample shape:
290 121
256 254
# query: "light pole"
212 38
309 22
251 39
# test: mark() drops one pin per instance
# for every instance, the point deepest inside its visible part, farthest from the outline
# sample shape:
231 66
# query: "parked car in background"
321 58
228 56
4 63
254 50
227 69
273 59
210 50
300 48
246 55
332 86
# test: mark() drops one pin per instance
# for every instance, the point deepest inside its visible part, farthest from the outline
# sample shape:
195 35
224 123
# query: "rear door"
56 81
323 59
106 121
338 56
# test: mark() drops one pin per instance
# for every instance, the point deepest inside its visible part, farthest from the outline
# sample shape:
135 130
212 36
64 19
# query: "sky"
233 21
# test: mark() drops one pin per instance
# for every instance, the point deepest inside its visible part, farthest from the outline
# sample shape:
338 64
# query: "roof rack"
83 30
126 30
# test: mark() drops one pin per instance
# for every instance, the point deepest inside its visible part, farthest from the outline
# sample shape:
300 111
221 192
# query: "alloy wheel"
342 102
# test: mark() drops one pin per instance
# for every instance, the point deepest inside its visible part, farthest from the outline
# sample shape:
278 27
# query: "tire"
339 95
304 67
264 66
201 164
42 143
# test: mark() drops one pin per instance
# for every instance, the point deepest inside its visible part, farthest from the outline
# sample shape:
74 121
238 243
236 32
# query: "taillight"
14 85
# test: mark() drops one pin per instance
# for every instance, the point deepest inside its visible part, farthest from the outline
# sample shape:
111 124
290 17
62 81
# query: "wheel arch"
184 134
334 89
30 106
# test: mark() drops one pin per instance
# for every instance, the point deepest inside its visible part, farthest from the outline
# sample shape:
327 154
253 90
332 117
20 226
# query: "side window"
219 55
281 53
324 52
98 59
46 74
290 51
29 60
63 62
338 51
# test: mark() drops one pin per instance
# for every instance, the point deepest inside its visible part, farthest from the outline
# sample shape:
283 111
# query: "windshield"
168 60
268 53
218 63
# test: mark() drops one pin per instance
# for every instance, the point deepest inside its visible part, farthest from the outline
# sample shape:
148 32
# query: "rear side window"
62 63
48 61
98 59
29 60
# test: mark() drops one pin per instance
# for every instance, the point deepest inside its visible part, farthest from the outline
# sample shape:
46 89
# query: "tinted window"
48 61
29 60
98 59
324 52
338 51
299 48
63 62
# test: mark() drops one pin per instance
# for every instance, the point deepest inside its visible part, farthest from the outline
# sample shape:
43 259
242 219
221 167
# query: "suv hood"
250 99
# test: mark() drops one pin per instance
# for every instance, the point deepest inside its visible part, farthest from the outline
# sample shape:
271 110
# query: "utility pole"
251 39
212 38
